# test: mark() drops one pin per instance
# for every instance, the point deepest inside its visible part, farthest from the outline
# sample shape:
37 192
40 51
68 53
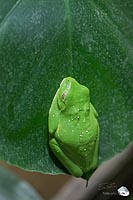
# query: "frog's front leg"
70 166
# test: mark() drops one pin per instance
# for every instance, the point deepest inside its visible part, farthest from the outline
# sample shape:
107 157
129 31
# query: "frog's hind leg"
70 166
95 158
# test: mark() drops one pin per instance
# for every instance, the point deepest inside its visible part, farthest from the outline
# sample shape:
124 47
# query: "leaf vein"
9 13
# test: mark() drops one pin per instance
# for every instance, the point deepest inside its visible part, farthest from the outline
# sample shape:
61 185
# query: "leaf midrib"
69 26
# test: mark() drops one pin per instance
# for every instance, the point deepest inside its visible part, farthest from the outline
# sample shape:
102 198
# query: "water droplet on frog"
87 131
84 149
69 120
78 117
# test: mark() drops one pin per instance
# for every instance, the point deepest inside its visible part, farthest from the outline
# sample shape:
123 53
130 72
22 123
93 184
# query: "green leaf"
15 188
41 42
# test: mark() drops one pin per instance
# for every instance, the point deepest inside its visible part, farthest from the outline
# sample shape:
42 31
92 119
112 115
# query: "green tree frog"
73 128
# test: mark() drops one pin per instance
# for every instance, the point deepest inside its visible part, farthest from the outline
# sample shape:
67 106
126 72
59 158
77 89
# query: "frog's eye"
61 100
64 96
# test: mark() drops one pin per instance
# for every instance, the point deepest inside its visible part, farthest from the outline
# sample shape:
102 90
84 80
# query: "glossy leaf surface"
41 42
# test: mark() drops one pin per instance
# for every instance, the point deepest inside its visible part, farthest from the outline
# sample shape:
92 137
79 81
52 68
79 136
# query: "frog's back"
80 140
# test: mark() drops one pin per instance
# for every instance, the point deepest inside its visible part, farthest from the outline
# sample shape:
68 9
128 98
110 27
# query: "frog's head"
71 93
